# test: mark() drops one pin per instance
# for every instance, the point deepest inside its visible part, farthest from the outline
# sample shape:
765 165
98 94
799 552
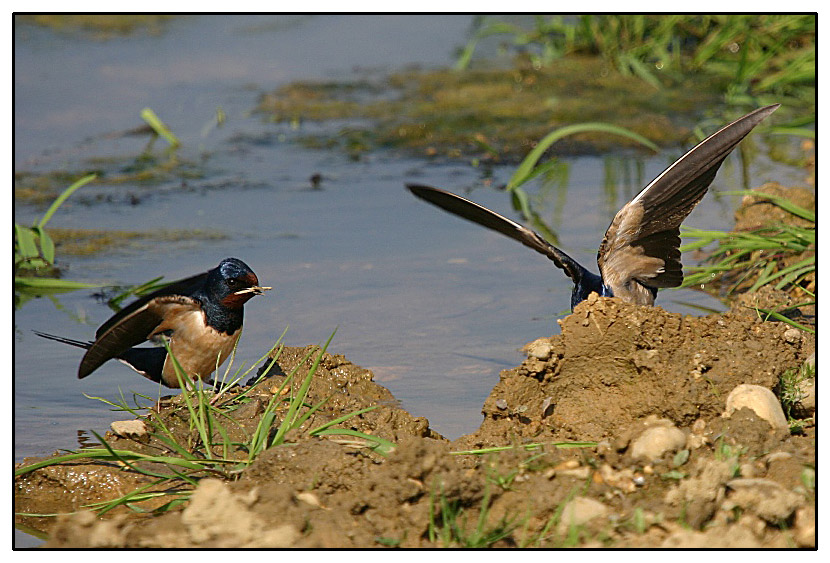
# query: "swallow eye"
234 283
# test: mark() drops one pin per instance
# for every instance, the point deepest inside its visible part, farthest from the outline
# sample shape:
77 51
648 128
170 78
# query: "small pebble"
579 472
579 511
656 441
309 498
501 404
805 526
547 407
792 335
807 394
135 429
760 400
777 456
539 349
569 464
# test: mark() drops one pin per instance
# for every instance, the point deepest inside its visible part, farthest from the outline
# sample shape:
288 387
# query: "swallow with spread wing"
200 317
641 249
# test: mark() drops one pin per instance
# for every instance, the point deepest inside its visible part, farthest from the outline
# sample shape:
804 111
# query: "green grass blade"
47 245
560 445
52 283
63 197
159 127
779 317
524 170
343 418
382 445
780 201
26 245
290 417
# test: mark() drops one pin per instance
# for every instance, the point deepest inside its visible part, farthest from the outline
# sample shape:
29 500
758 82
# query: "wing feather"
474 212
186 286
134 328
642 243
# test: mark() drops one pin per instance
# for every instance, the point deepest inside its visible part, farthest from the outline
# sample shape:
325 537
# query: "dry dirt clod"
580 511
805 526
134 429
764 497
656 441
540 349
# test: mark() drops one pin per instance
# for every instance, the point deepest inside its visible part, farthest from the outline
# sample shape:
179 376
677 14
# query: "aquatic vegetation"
36 272
159 127
34 254
758 58
102 26
486 114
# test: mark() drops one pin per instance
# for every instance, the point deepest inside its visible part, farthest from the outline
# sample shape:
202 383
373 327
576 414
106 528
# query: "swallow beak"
255 289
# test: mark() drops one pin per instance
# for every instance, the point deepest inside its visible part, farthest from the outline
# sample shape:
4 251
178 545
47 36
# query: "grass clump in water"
490 114
102 26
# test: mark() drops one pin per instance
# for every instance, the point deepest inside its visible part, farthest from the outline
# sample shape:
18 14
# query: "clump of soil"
631 362
646 389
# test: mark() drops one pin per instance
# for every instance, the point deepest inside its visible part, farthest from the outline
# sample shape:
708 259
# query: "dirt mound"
647 387
615 363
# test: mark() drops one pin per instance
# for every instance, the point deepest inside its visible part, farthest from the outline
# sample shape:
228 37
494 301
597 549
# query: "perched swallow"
641 249
200 317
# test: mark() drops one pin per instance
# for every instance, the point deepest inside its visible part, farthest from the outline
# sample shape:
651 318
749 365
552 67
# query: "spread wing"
153 317
481 215
643 241
186 286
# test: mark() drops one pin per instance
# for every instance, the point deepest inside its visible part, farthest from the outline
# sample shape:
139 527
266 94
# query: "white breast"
198 348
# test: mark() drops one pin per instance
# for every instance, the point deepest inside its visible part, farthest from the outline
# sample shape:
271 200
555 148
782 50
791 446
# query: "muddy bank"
646 390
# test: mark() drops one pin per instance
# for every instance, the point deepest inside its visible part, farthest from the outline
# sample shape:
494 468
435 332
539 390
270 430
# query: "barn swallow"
641 249
200 317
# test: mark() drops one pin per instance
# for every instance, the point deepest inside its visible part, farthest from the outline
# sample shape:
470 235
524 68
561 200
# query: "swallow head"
233 283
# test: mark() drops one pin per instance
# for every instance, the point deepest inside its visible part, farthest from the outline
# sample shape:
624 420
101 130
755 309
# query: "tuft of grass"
449 525
790 392
34 249
781 255
34 254
208 447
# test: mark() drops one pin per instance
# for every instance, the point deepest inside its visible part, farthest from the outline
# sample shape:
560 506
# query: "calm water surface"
433 305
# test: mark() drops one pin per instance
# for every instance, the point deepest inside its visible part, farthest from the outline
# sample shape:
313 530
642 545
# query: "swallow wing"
186 286
481 215
152 318
643 241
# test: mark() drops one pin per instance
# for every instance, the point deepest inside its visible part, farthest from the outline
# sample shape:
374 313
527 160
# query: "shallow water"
433 305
